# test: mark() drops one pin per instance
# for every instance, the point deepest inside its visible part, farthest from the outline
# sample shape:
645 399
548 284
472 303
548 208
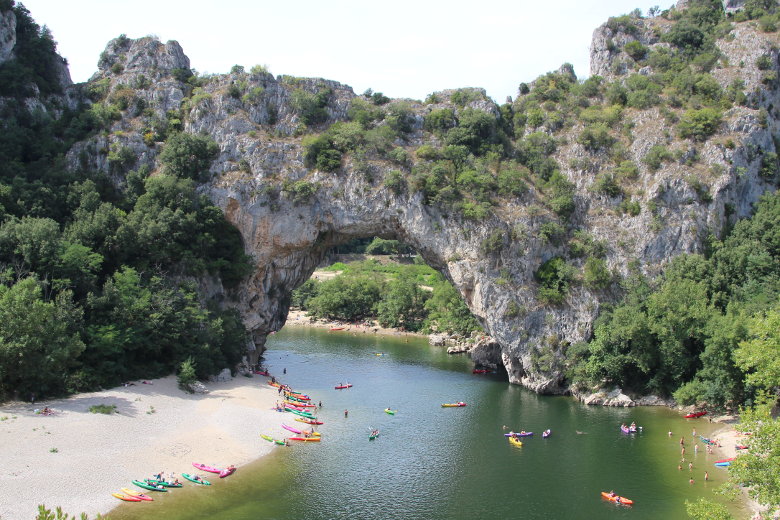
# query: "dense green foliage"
706 331
92 279
412 297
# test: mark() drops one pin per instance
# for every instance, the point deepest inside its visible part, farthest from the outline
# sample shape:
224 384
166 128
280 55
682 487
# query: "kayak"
453 405
301 413
694 415
136 494
261 373
521 434
723 464
724 460
373 436
192 478
308 421
203 467
546 433
268 438
481 371
305 439
705 440
617 499
154 482
126 498
296 430
297 396
300 404
227 471
388 411
515 442
337 328
627 430
341 387
150 487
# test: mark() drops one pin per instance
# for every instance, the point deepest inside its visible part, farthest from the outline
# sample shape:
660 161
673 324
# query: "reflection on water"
444 463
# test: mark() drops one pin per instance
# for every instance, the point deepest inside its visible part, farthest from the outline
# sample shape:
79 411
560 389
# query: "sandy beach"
75 459
298 318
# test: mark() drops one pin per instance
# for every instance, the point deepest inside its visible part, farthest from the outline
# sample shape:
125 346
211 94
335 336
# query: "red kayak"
481 371
203 467
694 415
227 471
341 387
724 460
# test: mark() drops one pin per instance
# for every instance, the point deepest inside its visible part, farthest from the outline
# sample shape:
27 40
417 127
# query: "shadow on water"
435 463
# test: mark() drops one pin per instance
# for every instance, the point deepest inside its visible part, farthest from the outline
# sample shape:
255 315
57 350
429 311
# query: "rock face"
7 35
254 119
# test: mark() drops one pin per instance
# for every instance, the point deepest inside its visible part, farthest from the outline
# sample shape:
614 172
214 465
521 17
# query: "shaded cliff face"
288 227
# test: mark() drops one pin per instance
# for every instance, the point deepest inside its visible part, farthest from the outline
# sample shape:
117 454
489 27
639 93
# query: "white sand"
75 459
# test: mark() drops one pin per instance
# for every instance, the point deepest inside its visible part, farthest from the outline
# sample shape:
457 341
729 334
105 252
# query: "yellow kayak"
515 442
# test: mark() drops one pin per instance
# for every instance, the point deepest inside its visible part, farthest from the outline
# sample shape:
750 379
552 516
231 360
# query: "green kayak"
192 478
167 484
302 414
373 436
148 486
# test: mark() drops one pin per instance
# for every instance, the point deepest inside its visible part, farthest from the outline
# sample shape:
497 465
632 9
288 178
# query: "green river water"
437 463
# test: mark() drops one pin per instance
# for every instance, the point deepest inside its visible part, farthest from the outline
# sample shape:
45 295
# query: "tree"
706 510
189 156
403 305
759 354
187 376
39 339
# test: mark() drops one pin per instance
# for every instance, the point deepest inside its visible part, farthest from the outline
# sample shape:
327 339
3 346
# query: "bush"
394 180
311 108
605 183
699 124
596 137
106 409
554 277
299 191
596 274
189 156
187 375
764 62
657 155
636 50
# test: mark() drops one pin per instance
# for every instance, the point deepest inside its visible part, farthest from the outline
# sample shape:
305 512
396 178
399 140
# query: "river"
436 463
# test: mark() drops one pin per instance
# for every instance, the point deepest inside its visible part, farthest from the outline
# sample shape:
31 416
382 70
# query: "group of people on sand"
44 411
172 478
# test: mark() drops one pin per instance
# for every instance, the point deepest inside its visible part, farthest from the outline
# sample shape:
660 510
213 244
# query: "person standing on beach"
706 476
346 413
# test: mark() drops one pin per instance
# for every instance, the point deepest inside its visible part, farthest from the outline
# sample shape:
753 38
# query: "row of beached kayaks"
162 486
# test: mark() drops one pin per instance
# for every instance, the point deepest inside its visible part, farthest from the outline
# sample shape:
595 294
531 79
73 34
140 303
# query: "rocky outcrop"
7 35
255 121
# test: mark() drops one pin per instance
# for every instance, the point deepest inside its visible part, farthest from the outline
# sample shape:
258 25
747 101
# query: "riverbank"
299 318
75 459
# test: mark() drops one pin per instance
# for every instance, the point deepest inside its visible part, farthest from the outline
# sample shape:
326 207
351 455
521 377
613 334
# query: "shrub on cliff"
189 156
699 124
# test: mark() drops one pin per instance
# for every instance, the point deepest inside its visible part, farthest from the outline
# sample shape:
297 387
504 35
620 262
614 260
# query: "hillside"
538 210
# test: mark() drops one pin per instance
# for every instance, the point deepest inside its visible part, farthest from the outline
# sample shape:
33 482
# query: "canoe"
453 405
297 396
296 430
305 439
203 467
617 499
373 436
227 471
515 442
126 498
520 434
307 415
300 404
261 373
724 460
341 387
150 487
481 371
546 433
192 478
337 328
694 415
154 482
723 464
308 421
136 494
388 411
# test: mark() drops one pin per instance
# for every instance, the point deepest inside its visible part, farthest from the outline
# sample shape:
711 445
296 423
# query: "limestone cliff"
254 119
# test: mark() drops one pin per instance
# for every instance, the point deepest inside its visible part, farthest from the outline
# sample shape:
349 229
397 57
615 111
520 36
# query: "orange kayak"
617 499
